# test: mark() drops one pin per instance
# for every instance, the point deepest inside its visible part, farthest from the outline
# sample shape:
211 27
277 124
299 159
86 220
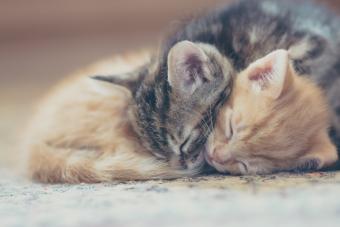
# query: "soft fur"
81 132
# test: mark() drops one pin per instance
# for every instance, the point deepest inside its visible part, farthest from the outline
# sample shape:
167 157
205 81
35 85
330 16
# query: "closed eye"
183 146
243 167
229 129
232 128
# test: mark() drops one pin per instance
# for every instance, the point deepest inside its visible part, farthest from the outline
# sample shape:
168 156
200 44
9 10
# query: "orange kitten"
81 132
274 120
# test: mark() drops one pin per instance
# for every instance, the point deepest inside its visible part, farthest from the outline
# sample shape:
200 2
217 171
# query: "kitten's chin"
197 162
235 169
239 168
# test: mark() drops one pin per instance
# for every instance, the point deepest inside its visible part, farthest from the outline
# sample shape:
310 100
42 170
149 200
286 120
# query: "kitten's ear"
270 74
187 67
130 80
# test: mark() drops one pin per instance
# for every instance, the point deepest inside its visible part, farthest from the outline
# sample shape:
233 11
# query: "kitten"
174 102
82 131
173 123
274 120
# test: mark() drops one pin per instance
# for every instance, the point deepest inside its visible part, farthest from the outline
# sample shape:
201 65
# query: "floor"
276 200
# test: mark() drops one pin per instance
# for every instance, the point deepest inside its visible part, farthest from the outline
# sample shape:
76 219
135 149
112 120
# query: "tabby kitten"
175 100
274 120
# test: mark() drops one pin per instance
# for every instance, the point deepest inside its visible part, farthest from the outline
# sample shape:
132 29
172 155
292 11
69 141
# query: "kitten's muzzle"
195 161
219 159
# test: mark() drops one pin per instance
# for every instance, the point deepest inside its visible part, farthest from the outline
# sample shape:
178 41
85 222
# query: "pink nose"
217 155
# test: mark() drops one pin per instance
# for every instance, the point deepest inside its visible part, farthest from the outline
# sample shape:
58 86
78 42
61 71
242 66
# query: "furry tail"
60 165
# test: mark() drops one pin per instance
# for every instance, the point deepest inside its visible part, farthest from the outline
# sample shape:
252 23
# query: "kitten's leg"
50 164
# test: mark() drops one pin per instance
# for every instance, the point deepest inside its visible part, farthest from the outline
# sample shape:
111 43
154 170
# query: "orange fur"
280 126
81 132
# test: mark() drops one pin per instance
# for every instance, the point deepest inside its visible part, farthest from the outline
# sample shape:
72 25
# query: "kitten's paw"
308 165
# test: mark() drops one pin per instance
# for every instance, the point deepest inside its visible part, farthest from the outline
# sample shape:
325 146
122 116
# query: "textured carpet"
275 200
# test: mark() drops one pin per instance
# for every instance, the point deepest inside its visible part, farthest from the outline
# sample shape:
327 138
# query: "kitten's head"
273 121
174 101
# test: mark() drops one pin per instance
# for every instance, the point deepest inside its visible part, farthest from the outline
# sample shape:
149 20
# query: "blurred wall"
41 40
41 19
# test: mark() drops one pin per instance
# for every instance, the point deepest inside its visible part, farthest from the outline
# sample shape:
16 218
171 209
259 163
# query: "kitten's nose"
218 155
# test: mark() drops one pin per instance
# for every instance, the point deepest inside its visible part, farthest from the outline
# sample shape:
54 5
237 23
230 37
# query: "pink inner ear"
268 73
192 61
193 68
261 76
187 66
261 68
259 73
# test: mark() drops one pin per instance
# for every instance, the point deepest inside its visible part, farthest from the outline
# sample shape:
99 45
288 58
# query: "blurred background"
41 41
